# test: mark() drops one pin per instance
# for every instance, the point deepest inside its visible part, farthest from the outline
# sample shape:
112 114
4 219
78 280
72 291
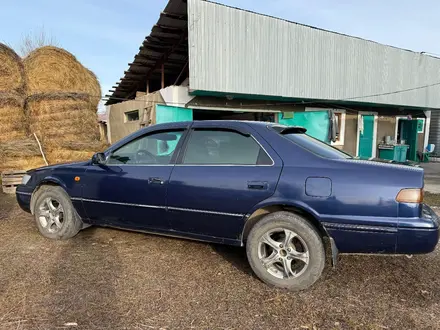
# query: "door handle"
155 181
258 185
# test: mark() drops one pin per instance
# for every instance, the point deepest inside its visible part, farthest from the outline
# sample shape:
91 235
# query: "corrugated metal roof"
166 43
238 52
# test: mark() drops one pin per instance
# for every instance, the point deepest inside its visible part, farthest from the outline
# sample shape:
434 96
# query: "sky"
105 35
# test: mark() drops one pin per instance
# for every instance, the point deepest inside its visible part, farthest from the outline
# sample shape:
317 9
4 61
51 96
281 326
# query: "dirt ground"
111 279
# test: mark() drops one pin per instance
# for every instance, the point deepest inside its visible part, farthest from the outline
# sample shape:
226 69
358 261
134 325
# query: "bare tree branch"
36 39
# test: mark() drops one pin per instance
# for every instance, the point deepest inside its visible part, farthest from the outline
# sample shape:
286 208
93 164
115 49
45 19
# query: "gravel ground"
111 279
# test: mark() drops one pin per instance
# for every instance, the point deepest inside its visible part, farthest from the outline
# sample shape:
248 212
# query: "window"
131 116
314 145
216 147
157 148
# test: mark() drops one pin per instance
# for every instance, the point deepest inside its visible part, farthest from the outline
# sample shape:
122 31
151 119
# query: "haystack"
12 78
12 117
66 123
53 70
20 154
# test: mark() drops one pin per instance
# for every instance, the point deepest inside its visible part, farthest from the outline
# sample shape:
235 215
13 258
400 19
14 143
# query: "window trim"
224 129
174 158
129 112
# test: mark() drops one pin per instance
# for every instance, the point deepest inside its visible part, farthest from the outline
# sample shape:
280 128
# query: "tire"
304 254
54 214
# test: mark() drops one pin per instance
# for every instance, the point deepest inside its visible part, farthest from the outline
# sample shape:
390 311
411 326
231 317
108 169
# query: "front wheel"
54 213
286 251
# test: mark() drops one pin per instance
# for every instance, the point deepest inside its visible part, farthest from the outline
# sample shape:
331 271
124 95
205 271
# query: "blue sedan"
271 188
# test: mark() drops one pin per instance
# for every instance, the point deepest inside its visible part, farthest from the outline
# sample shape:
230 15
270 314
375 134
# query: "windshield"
317 147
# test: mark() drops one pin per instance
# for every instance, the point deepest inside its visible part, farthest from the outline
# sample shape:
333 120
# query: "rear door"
222 173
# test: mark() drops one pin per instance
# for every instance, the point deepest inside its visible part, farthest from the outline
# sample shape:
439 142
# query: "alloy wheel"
51 215
283 253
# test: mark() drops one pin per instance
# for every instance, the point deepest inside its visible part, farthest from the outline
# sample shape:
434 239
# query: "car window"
156 148
316 146
210 147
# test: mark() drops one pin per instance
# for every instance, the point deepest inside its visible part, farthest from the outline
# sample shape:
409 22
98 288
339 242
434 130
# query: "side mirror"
98 158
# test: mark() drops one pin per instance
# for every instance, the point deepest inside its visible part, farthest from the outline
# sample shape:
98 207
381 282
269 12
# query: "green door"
366 137
408 133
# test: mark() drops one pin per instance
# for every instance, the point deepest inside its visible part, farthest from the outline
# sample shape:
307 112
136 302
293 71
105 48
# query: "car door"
129 191
223 172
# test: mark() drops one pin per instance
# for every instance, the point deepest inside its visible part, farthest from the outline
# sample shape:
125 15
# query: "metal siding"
434 131
235 51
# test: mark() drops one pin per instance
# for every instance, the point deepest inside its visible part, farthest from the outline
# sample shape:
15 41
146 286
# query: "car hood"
61 165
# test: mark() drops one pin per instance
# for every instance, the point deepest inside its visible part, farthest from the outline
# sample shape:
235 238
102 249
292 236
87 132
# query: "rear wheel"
286 251
54 213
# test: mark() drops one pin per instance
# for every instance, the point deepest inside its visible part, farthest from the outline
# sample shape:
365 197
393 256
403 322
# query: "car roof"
213 122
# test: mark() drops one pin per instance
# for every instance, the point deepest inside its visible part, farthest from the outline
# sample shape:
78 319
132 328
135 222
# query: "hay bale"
21 154
53 70
12 76
19 148
67 125
62 117
58 155
12 117
23 163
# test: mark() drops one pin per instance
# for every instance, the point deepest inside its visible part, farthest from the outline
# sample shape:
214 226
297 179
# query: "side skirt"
179 234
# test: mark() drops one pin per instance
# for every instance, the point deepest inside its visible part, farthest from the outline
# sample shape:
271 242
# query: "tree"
36 39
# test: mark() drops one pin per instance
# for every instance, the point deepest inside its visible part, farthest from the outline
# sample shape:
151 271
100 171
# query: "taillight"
410 196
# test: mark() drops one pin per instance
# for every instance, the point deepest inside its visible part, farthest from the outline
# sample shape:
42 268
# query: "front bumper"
422 236
24 195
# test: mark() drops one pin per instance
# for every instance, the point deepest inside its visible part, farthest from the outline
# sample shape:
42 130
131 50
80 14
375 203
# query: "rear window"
314 145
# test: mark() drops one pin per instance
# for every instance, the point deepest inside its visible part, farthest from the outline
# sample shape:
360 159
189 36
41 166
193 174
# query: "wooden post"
148 86
163 75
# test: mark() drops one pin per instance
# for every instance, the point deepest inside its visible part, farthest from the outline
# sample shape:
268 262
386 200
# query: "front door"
366 137
130 190
220 177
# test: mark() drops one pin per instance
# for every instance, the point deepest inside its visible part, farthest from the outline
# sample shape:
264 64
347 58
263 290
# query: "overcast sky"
105 35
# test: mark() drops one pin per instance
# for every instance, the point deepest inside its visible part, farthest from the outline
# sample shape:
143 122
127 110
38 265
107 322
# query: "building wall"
262 55
386 126
118 128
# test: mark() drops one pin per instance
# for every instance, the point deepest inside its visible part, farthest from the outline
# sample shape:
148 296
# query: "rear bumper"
420 235
386 235
24 195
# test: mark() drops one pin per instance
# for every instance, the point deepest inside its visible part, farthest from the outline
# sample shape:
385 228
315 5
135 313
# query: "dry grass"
12 116
53 70
11 70
432 199
110 279
20 154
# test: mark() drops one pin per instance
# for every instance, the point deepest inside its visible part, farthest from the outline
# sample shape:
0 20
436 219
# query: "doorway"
407 133
366 135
